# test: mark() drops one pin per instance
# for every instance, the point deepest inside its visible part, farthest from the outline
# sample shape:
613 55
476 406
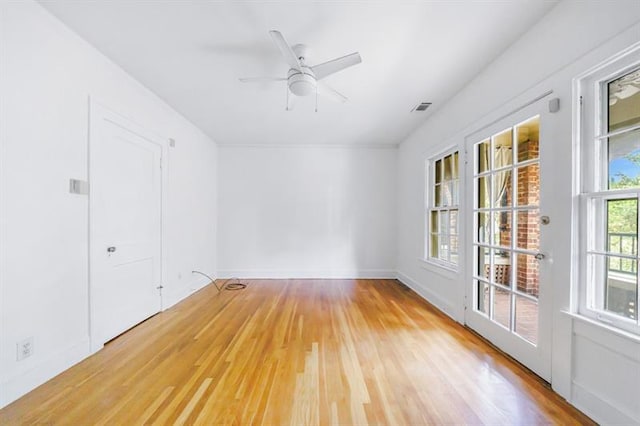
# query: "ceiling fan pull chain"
286 108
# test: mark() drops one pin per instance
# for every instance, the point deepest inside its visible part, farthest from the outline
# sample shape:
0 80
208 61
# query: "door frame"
98 111
541 361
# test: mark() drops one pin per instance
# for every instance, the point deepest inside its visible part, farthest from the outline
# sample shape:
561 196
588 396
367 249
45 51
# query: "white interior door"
508 301
125 226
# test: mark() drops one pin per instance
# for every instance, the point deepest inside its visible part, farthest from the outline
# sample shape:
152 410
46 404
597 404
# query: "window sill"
446 271
627 335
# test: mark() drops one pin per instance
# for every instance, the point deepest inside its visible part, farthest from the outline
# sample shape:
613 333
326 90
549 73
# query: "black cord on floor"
231 286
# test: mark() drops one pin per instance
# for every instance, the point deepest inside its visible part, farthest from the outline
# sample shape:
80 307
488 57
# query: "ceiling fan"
302 79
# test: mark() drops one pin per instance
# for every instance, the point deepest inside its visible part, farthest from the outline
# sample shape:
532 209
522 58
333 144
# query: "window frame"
591 126
430 206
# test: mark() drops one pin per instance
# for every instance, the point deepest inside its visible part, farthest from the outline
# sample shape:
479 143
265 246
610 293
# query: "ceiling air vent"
421 107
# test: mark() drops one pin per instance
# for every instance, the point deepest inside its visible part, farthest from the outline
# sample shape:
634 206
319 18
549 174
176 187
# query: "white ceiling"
191 54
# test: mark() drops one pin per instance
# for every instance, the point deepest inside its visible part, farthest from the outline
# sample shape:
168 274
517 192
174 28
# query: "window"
442 209
610 143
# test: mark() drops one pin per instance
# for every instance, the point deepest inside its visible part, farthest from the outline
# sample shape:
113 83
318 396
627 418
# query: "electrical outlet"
25 348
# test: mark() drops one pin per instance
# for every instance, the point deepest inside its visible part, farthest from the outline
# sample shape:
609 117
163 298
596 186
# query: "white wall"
47 74
573 37
307 211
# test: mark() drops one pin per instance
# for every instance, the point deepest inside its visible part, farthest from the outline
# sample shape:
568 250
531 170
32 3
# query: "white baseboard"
18 384
171 298
427 295
306 273
600 410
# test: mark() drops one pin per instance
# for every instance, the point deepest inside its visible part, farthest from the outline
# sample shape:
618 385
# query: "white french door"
508 301
125 225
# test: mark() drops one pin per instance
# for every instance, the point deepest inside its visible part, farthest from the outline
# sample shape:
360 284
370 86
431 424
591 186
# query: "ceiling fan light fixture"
301 84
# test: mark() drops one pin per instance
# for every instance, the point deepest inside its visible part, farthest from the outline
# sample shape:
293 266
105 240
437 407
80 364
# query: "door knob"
539 256
111 249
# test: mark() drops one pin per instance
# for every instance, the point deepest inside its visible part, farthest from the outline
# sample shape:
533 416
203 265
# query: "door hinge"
160 287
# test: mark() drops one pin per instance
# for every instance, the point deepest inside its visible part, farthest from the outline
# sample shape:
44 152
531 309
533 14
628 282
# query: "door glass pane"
482 297
528 190
624 161
528 233
502 189
527 274
482 156
624 101
502 267
482 192
501 306
527 135
502 150
502 227
483 227
483 262
527 319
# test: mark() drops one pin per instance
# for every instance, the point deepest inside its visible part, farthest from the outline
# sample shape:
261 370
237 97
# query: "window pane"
438 171
528 191
455 165
622 226
527 274
454 248
447 167
501 306
433 246
483 156
434 221
483 192
624 161
483 227
502 149
447 196
528 237
453 222
456 192
437 196
624 101
443 222
444 248
528 139
527 319
502 189
621 287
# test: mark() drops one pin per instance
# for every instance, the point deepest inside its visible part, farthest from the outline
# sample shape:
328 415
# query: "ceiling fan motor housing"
301 83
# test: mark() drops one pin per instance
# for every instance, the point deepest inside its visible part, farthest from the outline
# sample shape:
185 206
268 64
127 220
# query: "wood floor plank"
297 352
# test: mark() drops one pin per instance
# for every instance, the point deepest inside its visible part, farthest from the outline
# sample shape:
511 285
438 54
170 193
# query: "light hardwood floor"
297 352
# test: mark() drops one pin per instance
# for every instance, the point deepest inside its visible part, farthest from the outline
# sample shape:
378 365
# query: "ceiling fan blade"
327 68
260 79
285 49
323 89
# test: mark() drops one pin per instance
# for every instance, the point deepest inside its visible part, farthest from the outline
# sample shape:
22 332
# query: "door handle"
539 256
111 249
